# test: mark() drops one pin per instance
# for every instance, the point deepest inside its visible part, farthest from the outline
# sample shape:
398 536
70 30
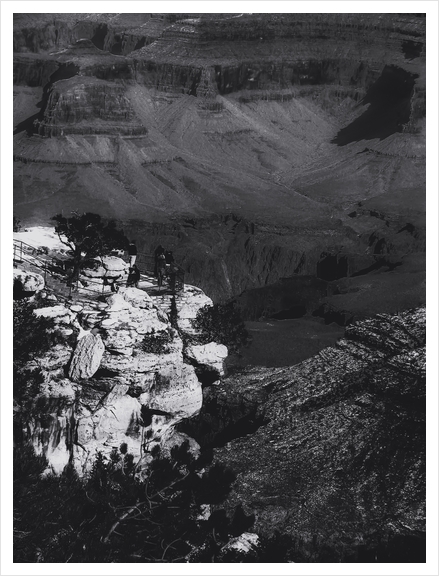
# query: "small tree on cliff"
221 323
88 236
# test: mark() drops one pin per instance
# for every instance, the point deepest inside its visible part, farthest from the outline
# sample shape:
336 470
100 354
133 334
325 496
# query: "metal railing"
174 275
56 268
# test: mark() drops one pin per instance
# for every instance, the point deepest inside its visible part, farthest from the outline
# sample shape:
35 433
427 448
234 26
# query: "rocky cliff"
122 376
308 129
331 451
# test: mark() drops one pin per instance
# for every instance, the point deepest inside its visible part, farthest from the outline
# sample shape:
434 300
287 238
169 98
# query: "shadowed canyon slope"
305 131
331 450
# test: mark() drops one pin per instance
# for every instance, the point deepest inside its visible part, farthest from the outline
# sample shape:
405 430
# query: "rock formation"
210 355
296 138
322 448
87 357
27 283
124 385
282 158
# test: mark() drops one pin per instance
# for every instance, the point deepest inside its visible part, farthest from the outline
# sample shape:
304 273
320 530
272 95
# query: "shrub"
16 224
221 323
112 515
87 236
157 342
32 335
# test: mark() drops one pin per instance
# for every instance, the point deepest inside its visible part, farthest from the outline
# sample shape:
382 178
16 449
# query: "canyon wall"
323 447
290 122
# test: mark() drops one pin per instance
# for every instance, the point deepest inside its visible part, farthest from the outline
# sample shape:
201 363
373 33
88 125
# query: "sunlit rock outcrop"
127 377
87 357
27 282
210 355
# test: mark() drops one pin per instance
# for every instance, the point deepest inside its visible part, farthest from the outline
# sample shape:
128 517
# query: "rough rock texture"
72 106
216 116
108 266
245 545
332 450
86 357
60 314
51 430
27 281
105 421
121 386
211 355
175 390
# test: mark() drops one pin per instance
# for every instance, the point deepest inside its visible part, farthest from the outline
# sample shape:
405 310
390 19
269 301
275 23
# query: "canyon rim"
281 157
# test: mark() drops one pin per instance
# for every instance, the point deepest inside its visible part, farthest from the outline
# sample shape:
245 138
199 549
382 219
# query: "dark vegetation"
32 336
88 236
16 227
221 323
157 342
116 516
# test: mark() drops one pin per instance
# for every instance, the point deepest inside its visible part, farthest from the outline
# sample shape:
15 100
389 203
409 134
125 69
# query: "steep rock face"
74 106
209 355
175 390
103 421
114 32
124 385
339 451
299 120
52 428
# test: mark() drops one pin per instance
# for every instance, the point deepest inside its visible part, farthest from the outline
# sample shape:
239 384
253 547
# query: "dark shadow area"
290 313
375 266
64 72
27 125
411 49
98 38
330 315
332 267
389 108
249 424
19 293
116 48
104 373
140 43
206 375
397 548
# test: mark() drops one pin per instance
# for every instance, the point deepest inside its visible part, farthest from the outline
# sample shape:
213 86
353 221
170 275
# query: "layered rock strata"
332 451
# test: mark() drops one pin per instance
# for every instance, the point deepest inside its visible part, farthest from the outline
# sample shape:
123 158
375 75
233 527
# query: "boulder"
245 545
120 341
109 267
117 302
211 355
27 281
176 391
86 357
188 305
59 313
136 297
